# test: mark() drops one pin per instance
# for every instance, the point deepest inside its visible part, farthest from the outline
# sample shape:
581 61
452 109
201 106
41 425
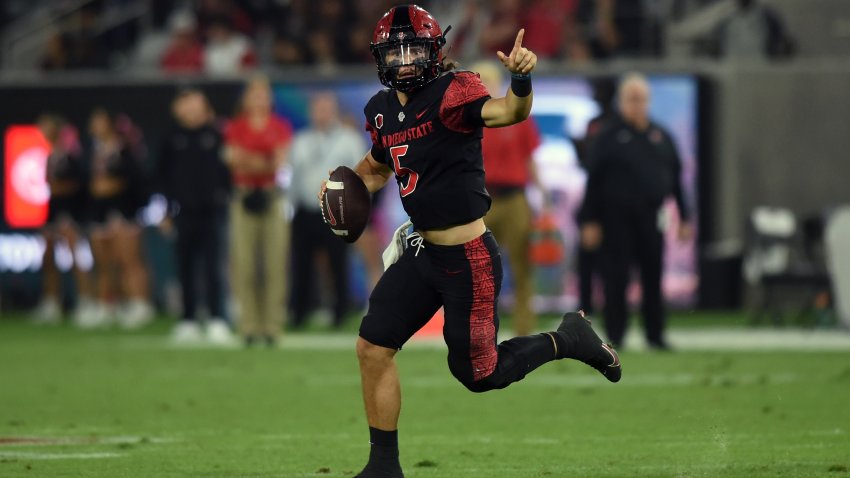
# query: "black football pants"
200 235
464 280
632 238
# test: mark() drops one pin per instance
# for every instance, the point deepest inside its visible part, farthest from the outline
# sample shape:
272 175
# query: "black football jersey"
433 149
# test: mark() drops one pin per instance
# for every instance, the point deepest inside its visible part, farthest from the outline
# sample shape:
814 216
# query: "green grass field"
112 404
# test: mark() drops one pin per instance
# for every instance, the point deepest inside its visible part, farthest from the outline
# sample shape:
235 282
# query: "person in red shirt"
185 53
552 29
509 169
256 142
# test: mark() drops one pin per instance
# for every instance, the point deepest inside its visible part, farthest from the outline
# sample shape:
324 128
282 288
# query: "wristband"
521 84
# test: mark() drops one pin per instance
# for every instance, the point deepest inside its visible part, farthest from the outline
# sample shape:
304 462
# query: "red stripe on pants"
482 329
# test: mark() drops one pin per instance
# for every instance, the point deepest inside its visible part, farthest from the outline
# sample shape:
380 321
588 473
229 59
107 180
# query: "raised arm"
515 106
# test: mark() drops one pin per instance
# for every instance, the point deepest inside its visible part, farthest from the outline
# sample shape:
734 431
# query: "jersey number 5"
412 176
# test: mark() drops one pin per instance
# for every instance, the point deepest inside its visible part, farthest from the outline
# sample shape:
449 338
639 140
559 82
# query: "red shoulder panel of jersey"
373 133
465 88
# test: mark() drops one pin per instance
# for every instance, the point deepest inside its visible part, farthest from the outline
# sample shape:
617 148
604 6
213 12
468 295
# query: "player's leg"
382 399
650 257
401 303
468 280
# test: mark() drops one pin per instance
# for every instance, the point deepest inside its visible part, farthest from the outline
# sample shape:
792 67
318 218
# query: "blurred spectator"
604 90
753 32
66 178
116 191
256 142
212 11
227 51
326 144
510 168
194 179
329 24
551 30
500 32
359 38
290 21
87 49
617 28
634 168
56 53
287 50
185 53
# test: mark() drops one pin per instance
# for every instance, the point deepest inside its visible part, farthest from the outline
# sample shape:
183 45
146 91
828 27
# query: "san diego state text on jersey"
403 136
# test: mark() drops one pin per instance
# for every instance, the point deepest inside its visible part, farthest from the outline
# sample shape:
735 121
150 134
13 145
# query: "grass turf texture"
111 404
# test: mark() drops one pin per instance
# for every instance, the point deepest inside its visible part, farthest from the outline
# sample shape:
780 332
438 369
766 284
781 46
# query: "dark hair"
450 64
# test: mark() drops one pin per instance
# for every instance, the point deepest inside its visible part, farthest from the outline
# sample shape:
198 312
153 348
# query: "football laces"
322 206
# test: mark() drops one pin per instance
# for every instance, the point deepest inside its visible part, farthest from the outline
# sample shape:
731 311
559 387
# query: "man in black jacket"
194 179
634 167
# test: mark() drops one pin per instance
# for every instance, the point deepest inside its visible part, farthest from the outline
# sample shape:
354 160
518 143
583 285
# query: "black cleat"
587 347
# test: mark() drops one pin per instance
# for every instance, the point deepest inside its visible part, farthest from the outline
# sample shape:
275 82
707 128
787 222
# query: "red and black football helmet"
408 36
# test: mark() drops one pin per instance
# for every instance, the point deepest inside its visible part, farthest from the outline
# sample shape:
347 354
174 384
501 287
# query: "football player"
426 129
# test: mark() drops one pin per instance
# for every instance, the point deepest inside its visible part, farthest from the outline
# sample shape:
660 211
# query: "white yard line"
683 340
28 455
86 440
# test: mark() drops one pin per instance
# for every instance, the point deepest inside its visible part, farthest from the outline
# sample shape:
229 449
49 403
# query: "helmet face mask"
407 46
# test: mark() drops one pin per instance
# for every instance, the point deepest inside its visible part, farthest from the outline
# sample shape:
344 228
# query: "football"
346 204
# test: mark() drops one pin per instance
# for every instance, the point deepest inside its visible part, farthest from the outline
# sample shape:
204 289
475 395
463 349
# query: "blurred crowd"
226 216
230 36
